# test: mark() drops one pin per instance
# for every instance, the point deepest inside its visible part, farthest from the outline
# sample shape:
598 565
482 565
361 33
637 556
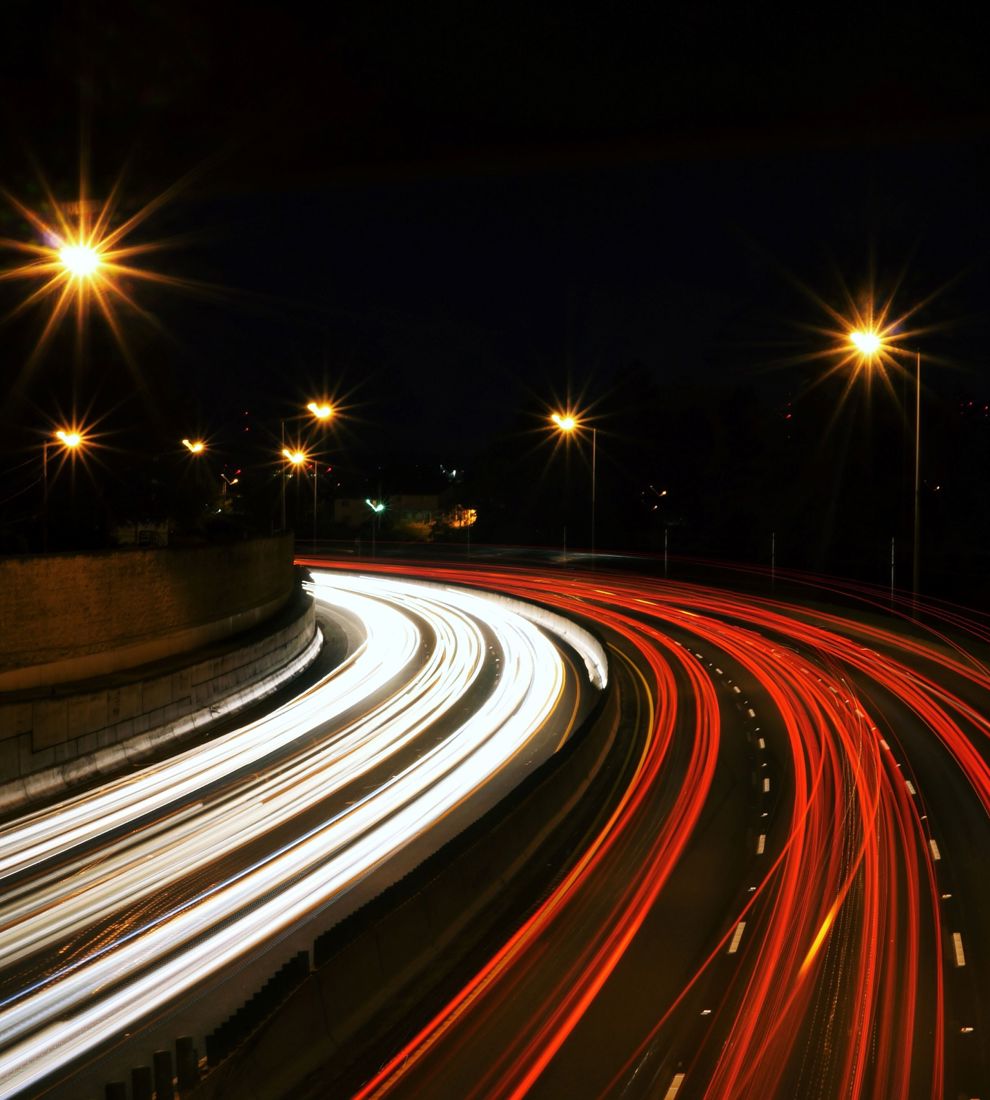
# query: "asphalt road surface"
121 901
790 899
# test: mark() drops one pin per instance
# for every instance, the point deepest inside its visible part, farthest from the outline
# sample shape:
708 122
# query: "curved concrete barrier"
71 617
51 742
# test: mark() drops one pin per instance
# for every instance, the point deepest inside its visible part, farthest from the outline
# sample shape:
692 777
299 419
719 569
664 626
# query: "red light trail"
843 963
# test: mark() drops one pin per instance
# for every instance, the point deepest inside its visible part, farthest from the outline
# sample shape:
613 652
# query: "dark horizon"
451 225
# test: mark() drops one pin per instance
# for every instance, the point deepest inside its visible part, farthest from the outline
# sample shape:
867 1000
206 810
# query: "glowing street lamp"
80 260
870 345
567 423
194 446
71 439
867 343
322 411
296 458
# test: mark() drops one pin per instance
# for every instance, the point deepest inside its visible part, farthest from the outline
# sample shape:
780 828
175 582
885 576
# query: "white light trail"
175 818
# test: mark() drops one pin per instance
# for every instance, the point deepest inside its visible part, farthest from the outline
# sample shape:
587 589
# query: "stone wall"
50 741
71 617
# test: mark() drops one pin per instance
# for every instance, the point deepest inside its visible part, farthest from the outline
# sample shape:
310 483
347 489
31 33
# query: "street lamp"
297 459
322 411
870 345
567 424
194 446
80 260
377 507
71 439
866 343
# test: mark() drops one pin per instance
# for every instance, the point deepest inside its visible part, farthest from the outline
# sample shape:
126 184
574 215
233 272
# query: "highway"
789 897
121 900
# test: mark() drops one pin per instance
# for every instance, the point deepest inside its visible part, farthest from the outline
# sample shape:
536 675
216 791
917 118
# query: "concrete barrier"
72 617
52 741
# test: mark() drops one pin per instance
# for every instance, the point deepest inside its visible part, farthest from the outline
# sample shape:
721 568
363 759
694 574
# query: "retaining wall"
50 741
72 617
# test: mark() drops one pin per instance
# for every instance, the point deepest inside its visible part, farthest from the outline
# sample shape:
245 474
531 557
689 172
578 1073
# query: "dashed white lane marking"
751 713
761 743
737 689
936 854
761 844
910 786
766 785
718 671
675 1086
736 937
957 947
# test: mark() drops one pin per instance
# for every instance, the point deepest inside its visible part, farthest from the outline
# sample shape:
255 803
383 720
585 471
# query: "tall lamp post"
322 411
567 423
870 344
297 459
70 439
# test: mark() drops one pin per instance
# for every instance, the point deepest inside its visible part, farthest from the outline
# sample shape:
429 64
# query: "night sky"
447 217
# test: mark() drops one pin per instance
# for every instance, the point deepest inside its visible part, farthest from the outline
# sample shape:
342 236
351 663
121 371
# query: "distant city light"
376 506
462 517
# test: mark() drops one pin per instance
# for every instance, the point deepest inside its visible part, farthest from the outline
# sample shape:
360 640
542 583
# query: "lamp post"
282 528
567 423
322 411
194 446
870 344
916 562
296 459
71 440
377 507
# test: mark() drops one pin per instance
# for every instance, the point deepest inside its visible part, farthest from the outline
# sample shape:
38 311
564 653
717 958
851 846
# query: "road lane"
845 979
120 900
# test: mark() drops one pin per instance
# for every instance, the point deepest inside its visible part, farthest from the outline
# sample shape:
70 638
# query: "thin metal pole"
594 479
282 460
44 497
893 544
316 474
666 534
916 564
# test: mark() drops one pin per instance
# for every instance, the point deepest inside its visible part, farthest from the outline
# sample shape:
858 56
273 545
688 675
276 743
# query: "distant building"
399 508
141 533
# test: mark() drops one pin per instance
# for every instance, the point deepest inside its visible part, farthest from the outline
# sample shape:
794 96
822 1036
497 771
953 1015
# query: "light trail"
407 711
840 985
